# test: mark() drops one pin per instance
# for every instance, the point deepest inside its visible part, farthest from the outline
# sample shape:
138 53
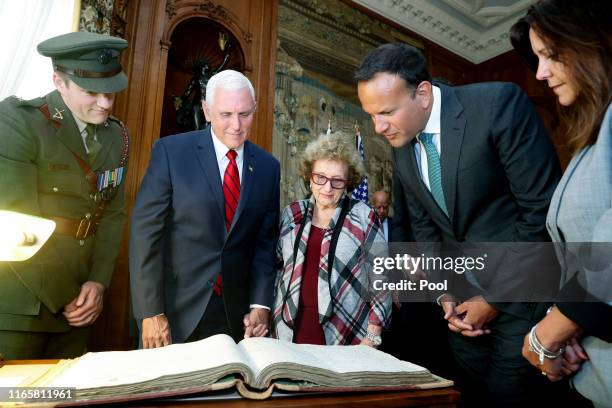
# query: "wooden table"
444 397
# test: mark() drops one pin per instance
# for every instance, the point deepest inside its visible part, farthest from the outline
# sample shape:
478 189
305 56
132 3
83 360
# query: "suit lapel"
208 162
413 166
452 128
68 132
248 171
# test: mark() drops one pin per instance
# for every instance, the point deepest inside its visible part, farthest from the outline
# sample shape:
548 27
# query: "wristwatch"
374 338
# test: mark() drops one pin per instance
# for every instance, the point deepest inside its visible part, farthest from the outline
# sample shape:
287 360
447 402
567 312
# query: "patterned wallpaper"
96 16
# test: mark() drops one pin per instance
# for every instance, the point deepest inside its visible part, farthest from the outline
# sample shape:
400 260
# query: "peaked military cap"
90 60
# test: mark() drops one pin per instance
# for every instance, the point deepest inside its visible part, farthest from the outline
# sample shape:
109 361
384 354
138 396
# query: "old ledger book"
255 366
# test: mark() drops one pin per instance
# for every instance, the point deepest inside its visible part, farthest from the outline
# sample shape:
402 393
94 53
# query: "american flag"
361 191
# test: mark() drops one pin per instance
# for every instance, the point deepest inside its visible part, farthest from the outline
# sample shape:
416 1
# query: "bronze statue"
189 114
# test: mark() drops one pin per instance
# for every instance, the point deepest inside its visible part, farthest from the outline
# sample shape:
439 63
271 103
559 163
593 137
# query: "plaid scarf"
343 304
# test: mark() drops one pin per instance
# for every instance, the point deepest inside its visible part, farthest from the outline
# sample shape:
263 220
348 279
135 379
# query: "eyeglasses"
321 180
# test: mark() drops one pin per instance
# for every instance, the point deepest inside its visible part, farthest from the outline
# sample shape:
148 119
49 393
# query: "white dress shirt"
385 225
222 160
83 130
221 153
432 126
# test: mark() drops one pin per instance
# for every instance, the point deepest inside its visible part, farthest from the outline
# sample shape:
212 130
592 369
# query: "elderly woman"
570 43
322 290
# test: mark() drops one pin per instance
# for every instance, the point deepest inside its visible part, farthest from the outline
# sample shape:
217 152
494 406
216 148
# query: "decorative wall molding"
488 15
171 9
178 11
213 9
471 29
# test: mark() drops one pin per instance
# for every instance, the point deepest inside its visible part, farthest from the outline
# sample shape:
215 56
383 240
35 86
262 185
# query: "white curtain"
24 24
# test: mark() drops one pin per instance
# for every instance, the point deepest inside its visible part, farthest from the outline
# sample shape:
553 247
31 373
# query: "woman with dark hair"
568 44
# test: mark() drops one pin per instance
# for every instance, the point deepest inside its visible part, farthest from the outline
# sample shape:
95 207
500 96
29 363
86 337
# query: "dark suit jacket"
179 243
499 171
390 229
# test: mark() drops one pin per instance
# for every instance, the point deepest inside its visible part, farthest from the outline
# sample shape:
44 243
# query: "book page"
264 352
22 375
127 367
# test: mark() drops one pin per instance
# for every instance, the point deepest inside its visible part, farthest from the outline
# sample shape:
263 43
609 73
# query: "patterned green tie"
93 146
433 169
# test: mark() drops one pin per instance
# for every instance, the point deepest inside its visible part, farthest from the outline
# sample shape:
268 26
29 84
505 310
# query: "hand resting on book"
156 332
256 323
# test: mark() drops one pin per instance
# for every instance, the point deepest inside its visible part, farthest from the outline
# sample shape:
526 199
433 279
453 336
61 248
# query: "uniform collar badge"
58 114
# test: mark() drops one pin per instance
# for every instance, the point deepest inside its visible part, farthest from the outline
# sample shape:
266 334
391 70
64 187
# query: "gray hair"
334 147
229 80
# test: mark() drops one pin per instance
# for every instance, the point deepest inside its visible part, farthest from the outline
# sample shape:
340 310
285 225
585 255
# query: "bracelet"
376 339
442 295
537 347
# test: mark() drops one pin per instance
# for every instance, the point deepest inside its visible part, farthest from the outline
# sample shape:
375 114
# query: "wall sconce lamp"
21 235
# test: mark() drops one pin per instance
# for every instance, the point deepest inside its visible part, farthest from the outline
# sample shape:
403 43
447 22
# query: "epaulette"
115 119
36 102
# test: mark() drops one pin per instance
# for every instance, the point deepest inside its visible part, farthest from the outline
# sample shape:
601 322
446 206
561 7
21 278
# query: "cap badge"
104 56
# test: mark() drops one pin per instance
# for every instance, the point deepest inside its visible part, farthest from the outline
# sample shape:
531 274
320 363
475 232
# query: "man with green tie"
64 157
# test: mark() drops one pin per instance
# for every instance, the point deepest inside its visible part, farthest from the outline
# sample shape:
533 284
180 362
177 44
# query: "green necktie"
435 184
93 146
433 169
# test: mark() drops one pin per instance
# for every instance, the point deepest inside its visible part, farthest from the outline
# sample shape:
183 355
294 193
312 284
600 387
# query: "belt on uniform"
79 229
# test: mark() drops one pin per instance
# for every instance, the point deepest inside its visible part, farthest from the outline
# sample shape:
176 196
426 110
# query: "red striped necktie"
231 193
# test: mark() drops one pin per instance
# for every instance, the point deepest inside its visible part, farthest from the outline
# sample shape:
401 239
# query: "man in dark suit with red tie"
205 227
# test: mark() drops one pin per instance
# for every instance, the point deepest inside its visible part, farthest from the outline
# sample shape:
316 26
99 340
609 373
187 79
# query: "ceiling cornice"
473 31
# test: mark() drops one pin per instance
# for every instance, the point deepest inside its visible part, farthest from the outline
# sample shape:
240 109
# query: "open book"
255 366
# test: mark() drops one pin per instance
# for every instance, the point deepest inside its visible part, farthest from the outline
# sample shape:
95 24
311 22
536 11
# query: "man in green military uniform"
63 157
